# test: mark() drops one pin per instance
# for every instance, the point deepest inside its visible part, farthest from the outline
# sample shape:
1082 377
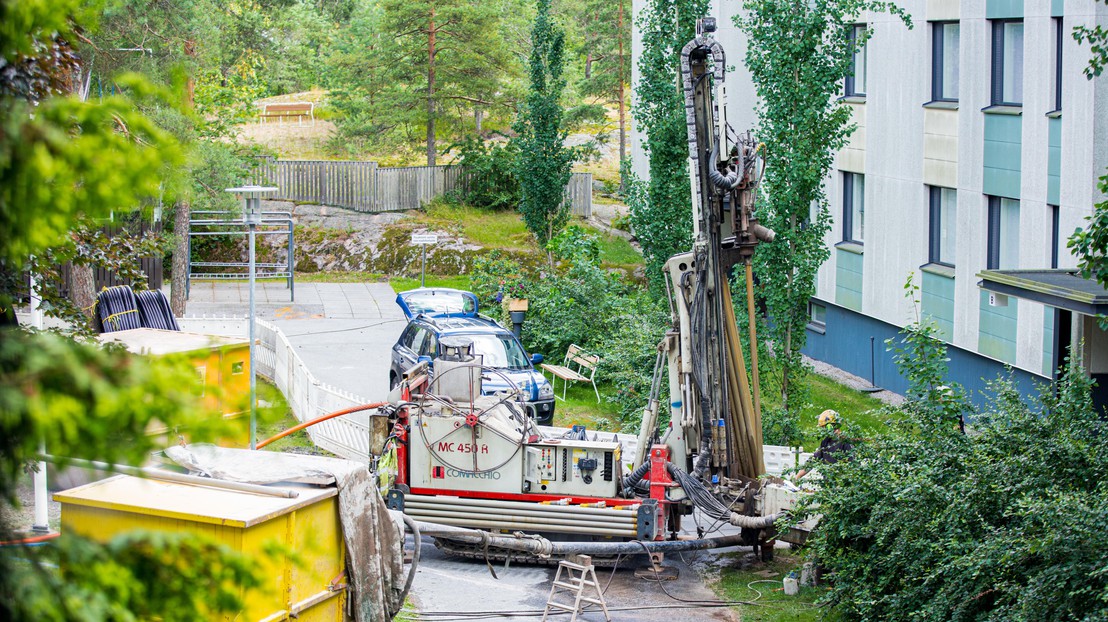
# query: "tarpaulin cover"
374 540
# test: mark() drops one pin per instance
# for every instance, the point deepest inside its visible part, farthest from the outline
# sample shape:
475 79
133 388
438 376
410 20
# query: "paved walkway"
343 332
339 301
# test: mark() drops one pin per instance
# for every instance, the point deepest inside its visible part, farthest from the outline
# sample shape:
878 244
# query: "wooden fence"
365 187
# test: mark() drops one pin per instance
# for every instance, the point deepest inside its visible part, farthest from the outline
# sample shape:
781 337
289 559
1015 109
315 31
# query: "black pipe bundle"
154 311
117 309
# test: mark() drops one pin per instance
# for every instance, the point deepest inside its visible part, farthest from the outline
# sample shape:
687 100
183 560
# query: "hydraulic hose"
306 424
727 182
634 477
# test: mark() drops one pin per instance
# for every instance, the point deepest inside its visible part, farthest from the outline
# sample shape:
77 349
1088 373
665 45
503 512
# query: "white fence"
350 436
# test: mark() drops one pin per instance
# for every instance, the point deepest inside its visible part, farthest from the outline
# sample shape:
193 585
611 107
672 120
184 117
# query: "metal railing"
231 223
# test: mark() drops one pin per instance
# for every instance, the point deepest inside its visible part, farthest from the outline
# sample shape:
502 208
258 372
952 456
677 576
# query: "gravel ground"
852 381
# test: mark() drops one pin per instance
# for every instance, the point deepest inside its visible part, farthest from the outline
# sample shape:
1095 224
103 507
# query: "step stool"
576 584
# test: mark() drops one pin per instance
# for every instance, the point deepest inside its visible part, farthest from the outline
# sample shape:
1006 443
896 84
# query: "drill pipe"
544 548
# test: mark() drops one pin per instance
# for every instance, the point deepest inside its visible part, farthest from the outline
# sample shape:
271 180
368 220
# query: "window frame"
1059 37
938 60
996 90
993 250
848 208
850 83
934 234
1055 231
819 326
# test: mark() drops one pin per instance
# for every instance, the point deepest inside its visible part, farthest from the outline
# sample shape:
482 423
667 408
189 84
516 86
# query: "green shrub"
575 244
488 179
1006 523
496 276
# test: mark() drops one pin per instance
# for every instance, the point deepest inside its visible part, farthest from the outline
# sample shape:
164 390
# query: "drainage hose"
320 419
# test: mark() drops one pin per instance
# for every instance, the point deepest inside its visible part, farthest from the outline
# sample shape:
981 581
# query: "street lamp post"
252 217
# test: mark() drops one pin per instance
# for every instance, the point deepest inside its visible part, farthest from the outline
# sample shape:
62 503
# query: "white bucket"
792 587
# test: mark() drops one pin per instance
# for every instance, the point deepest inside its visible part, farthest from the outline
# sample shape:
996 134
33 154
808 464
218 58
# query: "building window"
1054 236
944 220
1007 62
854 207
1059 36
944 61
817 316
1004 234
856 79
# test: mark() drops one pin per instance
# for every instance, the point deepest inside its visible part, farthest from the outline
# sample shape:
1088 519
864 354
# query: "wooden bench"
288 111
576 365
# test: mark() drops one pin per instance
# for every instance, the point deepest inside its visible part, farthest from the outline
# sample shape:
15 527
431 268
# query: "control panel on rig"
572 467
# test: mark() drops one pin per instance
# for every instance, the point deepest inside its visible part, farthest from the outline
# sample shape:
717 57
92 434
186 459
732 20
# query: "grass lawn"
761 583
858 408
339 277
276 417
403 283
504 230
581 408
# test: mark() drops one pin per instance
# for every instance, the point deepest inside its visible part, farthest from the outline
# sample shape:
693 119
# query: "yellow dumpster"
310 591
222 363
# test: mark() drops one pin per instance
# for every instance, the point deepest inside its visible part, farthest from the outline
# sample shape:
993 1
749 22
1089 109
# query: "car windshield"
439 303
500 351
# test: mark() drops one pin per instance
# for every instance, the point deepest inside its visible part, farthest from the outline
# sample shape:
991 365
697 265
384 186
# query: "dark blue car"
435 313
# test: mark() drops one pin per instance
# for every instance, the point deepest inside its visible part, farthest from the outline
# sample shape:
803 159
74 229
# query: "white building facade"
978 146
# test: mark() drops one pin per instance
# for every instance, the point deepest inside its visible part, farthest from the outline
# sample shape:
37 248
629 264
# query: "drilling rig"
466 460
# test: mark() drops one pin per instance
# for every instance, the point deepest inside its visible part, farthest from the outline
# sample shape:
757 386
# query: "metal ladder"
576 584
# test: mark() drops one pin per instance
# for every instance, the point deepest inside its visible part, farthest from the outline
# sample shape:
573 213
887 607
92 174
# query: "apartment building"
978 147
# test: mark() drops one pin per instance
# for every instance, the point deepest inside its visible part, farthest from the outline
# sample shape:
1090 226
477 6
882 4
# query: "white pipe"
42 499
181 478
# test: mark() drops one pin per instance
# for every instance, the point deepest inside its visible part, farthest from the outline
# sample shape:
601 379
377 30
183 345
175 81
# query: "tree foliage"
62 161
661 213
405 66
1003 524
798 54
544 163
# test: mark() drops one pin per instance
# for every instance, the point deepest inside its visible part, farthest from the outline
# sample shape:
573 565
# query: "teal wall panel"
848 280
1048 341
938 303
1057 8
1001 9
997 336
1054 161
1002 161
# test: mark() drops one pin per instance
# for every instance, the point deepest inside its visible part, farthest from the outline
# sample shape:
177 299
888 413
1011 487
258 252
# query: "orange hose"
32 539
306 424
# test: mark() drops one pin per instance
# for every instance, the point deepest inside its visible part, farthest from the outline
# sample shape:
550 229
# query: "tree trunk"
786 368
431 90
177 291
622 113
182 214
82 289
478 115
